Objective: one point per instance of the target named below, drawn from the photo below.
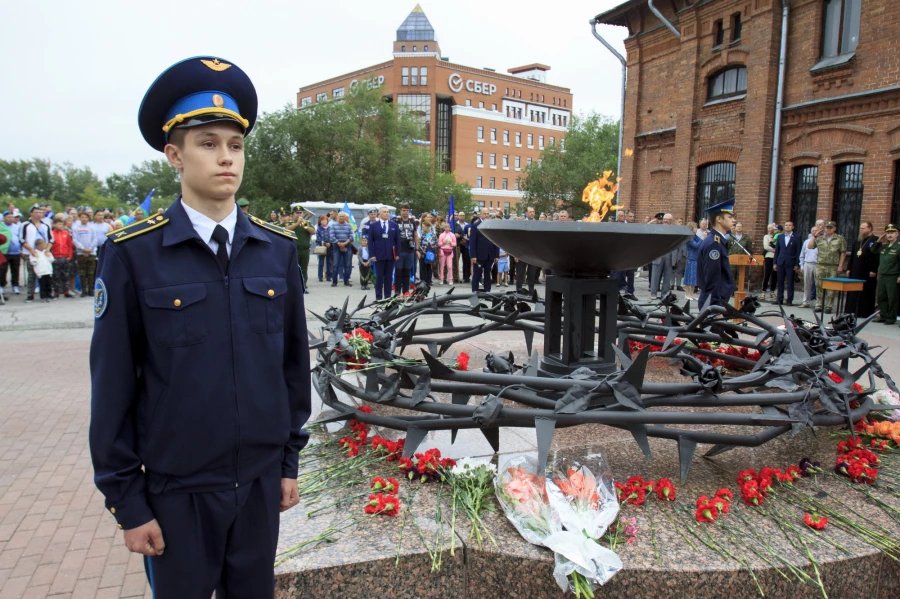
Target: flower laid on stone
(706, 513)
(809, 468)
(380, 503)
(816, 522)
(665, 490)
(392, 450)
(859, 465)
(425, 466)
(389, 486)
(523, 496)
(886, 397)
(472, 484)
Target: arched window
(728, 82)
(715, 183)
(848, 197)
(804, 199)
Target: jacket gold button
(177, 303)
(120, 527)
(271, 292)
(112, 510)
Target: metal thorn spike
(544, 429)
(639, 432)
(686, 449)
(414, 437)
(493, 437)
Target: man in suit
(384, 244)
(483, 253)
(787, 261)
(525, 272)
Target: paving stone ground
(56, 539)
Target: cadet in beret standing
(888, 275)
(199, 360)
(714, 277)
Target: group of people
(395, 252)
(54, 254)
(789, 257)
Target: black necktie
(220, 236)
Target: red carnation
(648, 485)
(721, 504)
(746, 475)
(707, 513)
(817, 522)
(635, 480)
(365, 409)
(723, 492)
(665, 490)
(462, 361)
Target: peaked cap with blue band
(726, 206)
(193, 92)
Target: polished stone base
(364, 563)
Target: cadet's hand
(146, 539)
(290, 496)
(474, 261)
(872, 274)
(775, 267)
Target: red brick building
(700, 110)
(485, 126)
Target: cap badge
(216, 64)
(217, 101)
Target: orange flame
(600, 194)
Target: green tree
(357, 150)
(26, 178)
(557, 181)
(133, 186)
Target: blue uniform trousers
(403, 270)
(482, 269)
(222, 541)
(384, 272)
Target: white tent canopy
(360, 211)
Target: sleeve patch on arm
(714, 254)
(100, 298)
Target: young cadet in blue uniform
(714, 276)
(200, 360)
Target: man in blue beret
(199, 360)
(714, 276)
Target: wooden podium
(742, 262)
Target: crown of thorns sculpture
(790, 383)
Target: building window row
(560, 120)
(414, 76)
(719, 30)
(337, 92)
(538, 116)
(493, 138)
(492, 183)
(321, 97)
(516, 93)
(414, 48)
(492, 158)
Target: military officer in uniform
(863, 264)
(888, 275)
(714, 276)
(244, 205)
(199, 359)
(304, 231)
(832, 253)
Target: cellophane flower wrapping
(521, 492)
(582, 492)
(888, 398)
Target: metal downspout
(621, 58)
(664, 20)
(779, 98)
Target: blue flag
(349, 212)
(145, 205)
(451, 213)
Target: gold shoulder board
(273, 228)
(137, 228)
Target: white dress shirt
(204, 226)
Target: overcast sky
(73, 73)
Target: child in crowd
(365, 264)
(503, 268)
(63, 258)
(43, 269)
(446, 244)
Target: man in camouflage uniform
(888, 251)
(832, 253)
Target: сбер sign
(476, 87)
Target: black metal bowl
(579, 248)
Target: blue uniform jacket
(714, 276)
(480, 247)
(381, 248)
(788, 255)
(200, 378)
